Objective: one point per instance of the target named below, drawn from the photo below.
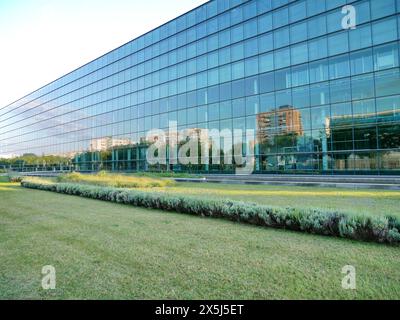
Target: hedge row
(15, 179)
(368, 228)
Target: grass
(110, 251)
(115, 180)
(376, 202)
(4, 179)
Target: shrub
(70, 177)
(114, 180)
(15, 178)
(367, 228)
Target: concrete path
(354, 182)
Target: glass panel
(384, 31)
(298, 32)
(239, 107)
(300, 76)
(360, 37)
(266, 62)
(338, 43)
(265, 43)
(317, 26)
(282, 58)
(365, 137)
(382, 8)
(386, 57)
(389, 160)
(318, 49)
(340, 90)
(362, 86)
(265, 23)
(299, 53)
(297, 11)
(301, 97)
(387, 83)
(389, 136)
(320, 94)
(281, 38)
(281, 17)
(319, 71)
(320, 117)
(361, 62)
(364, 111)
(283, 79)
(367, 161)
(339, 67)
(267, 82)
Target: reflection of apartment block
(189, 133)
(69, 155)
(284, 120)
(176, 135)
(106, 143)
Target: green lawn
(106, 250)
(382, 202)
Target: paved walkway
(355, 182)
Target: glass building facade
(321, 99)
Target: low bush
(15, 178)
(114, 180)
(367, 228)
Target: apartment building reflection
(337, 143)
(282, 121)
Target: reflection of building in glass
(103, 144)
(350, 132)
(322, 100)
(284, 120)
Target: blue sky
(43, 39)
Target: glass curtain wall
(321, 99)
